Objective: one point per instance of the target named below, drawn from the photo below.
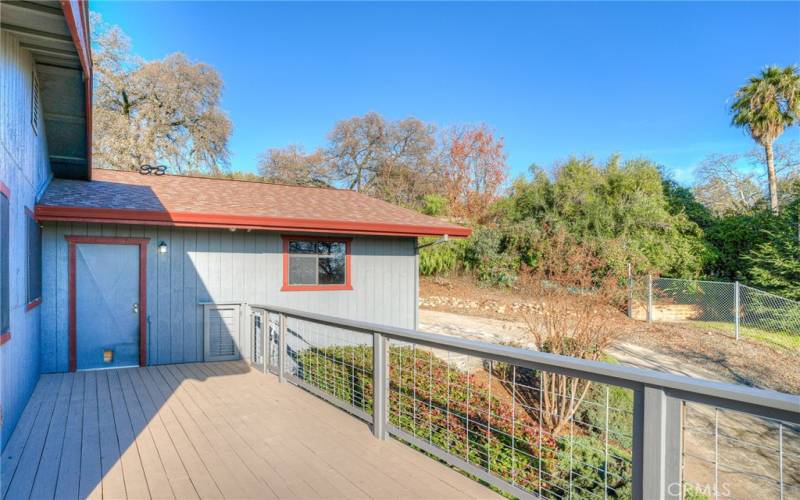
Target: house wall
(25, 170)
(220, 266)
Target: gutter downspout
(443, 239)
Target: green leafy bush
(618, 207)
(485, 256)
(620, 411)
(774, 264)
(591, 475)
(435, 205)
(496, 254)
(692, 493)
(441, 258)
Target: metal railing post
(282, 350)
(265, 340)
(649, 298)
(657, 444)
(380, 384)
(630, 290)
(736, 308)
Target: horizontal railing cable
(761, 402)
(535, 424)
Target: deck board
(201, 479)
(218, 455)
(91, 466)
(206, 430)
(23, 479)
(69, 472)
(175, 472)
(113, 482)
(16, 444)
(47, 470)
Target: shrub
(692, 493)
(435, 205)
(485, 254)
(591, 475)
(576, 322)
(620, 415)
(441, 258)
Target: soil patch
(705, 352)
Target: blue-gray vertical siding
(204, 265)
(25, 170)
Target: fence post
(630, 291)
(657, 443)
(380, 385)
(282, 350)
(736, 305)
(649, 298)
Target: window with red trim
(312, 263)
(34, 260)
(4, 265)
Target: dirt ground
(674, 347)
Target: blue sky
(553, 79)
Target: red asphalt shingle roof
(129, 197)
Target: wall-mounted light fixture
(162, 247)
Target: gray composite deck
(206, 430)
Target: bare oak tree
(724, 187)
(292, 165)
(394, 160)
(734, 183)
(786, 156)
(146, 112)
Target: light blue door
(107, 305)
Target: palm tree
(765, 106)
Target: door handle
(135, 308)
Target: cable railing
(538, 425)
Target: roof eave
(287, 224)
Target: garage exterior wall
(208, 265)
(25, 169)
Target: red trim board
(5, 190)
(80, 38)
(33, 304)
(72, 241)
(190, 219)
(348, 284)
(5, 337)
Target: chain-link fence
(733, 308)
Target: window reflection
(317, 262)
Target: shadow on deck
(206, 430)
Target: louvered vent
(222, 330)
(35, 103)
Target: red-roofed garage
(147, 269)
